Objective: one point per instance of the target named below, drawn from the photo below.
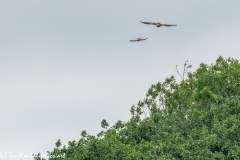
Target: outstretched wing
(152, 23)
(133, 40)
(142, 39)
(169, 25)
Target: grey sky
(66, 65)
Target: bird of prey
(138, 39)
(159, 24)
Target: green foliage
(198, 118)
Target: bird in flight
(159, 24)
(138, 40)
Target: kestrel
(138, 39)
(159, 24)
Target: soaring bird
(138, 39)
(159, 24)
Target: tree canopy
(196, 118)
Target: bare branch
(178, 72)
(185, 69)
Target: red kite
(138, 39)
(159, 24)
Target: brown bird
(138, 39)
(159, 24)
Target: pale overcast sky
(65, 65)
